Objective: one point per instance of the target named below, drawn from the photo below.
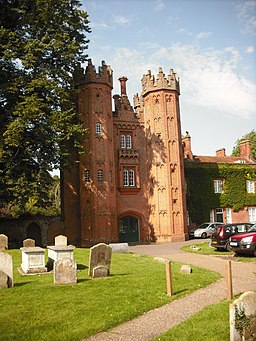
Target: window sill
(129, 190)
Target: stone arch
(34, 232)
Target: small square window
(218, 186)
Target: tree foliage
(251, 136)
(42, 42)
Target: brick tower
(129, 182)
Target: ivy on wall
(201, 198)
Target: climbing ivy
(201, 198)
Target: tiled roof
(222, 159)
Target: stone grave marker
(3, 242)
(186, 269)
(246, 304)
(6, 266)
(61, 240)
(65, 271)
(3, 280)
(29, 242)
(100, 259)
(120, 247)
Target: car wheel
(204, 235)
(227, 247)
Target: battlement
(104, 74)
(151, 83)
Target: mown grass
(206, 249)
(211, 323)
(35, 309)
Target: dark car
(221, 235)
(244, 243)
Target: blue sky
(210, 44)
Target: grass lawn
(211, 323)
(35, 309)
(206, 249)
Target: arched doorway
(128, 229)
(34, 232)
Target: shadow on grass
(81, 267)
(21, 284)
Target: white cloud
(247, 16)
(202, 35)
(249, 49)
(121, 20)
(209, 78)
(100, 25)
(159, 5)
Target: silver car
(206, 229)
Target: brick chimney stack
(123, 81)
(221, 152)
(245, 148)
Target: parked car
(244, 243)
(204, 230)
(221, 235)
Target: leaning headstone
(186, 269)
(65, 271)
(3, 280)
(61, 240)
(120, 247)
(245, 305)
(29, 242)
(6, 266)
(3, 242)
(100, 256)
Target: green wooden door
(128, 229)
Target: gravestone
(3, 280)
(120, 247)
(186, 269)
(33, 260)
(65, 271)
(245, 303)
(29, 242)
(100, 259)
(3, 242)
(6, 266)
(61, 240)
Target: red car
(244, 243)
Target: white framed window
(250, 186)
(98, 128)
(229, 215)
(219, 215)
(129, 177)
(87, 176)
(212, 216)
(128, 141)
(125, 141)
(218, 186)
(252, 215)
(122, 141)
(126, 177)
(100, 175)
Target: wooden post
(229, 281)
(168, 277)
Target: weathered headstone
(3, 242)
(3, 280)
(120, 247)
(186, 269)
(100, 257)
(57, 252)
(6, 266)
(245, 304)
(33, 260)
(65, 271)
(29, 242)
(61, 240)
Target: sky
(210, 44)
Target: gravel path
(157, 321)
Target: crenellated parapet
(151, 83)
(104, 74)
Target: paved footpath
(157, 321)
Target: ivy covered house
(220, 188)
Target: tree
(251, 136)
(42, 42)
